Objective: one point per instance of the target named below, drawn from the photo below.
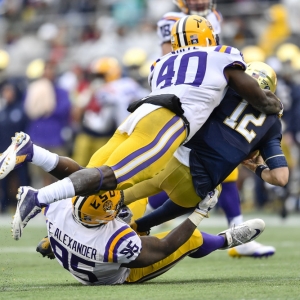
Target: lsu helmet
(264, 74)
(193, 31)
(200, 7)
(108, 67)
(94, 210)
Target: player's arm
(155, 249)
(247, 87)
(271, 165)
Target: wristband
(259, 170)
(196, 218)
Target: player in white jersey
(229, 200)
(204, 8)
(147, 139)
(91, 241)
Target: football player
(187, 85)
(229, 200)
(233, 131)
(203, 8)
(91, 240)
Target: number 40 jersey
(196, 76)
(91, 255)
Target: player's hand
(252, 163)
(207, 203)
(133, 225)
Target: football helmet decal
(198, 7)
(92, 211)
(193, 31)
(264, 74)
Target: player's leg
(138, 275)
(22, 150)
(156, 201)
(139, 157)
(199, 245)
(229, 201)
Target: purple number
(64, 253)
(167, 72)
(201, 68)
(75, 260)
(168, 69)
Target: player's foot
(45, 249)
(243, 233)
(19, 151)
(27, 208)
(252, 249)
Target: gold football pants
(143, 153)
(138, 275)
(175, 179)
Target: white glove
(207, 203)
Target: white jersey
(91, 255)
(196, 76)
(164, 25)
(121, 93)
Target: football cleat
(252, 249)
(19, 151)
(243, 233)
(27, 208)
(45, 249)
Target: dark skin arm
(85, 180)
(247, 87)
(155, 249)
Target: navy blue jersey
(230, 134)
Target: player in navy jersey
(233, 130)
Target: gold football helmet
(264, 74)
(108, 67)
(95, 210)
(193, 31)
(200, 8)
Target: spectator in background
(48, 108)
(12, 119)
(103, 106)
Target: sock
(168, 211)
(236, 220)
(158, 200)
(229, 201)
(59, 190)
(210, 244)
(44, 158)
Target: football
(253, 154)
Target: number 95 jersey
(91, 255)
(196, 76)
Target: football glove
(207, 203)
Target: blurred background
(69, 69)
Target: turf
(26, 275)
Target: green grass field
(26, 275)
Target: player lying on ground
(147, 139)
(98, 248)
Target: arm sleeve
(271, 150)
